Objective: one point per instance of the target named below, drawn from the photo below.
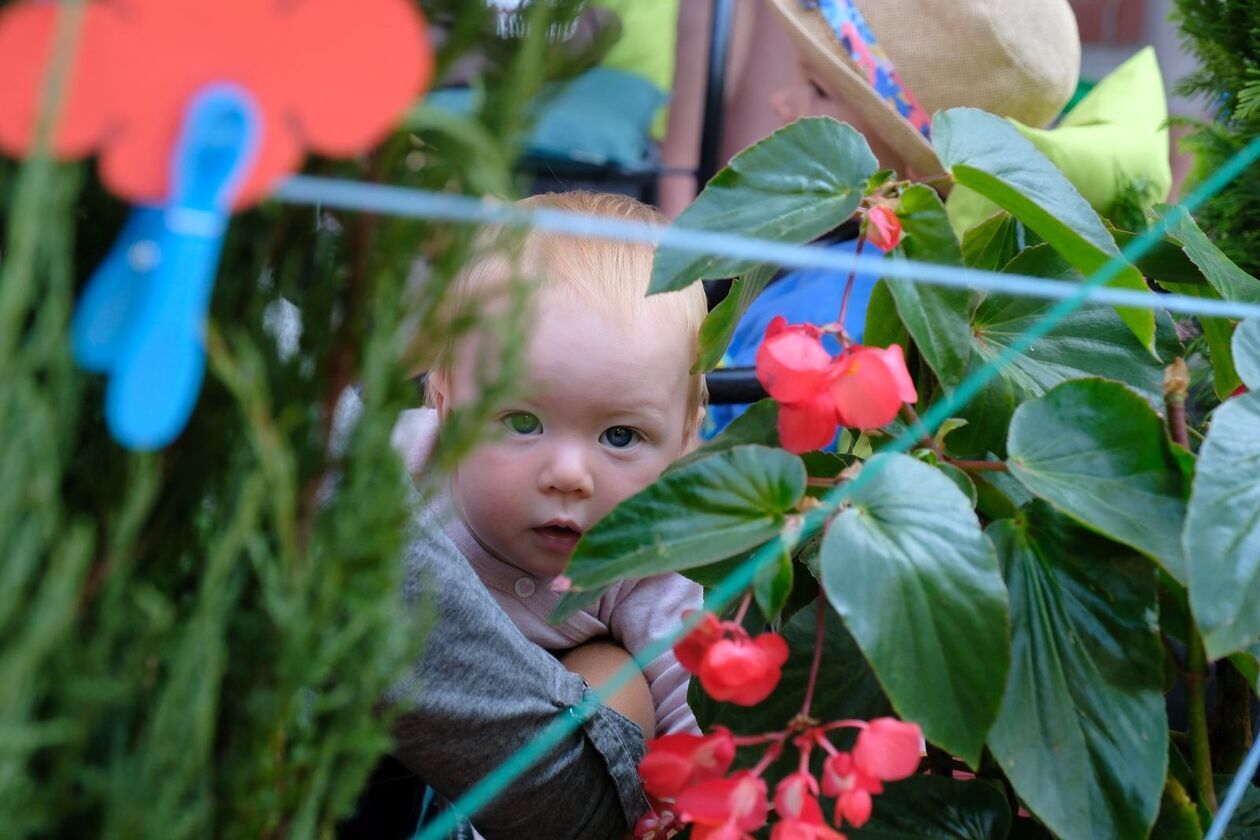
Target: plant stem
(848, 289)
(743, 608)
(1176, 387)
(1200, 748)
(912, 420)
(818, 648)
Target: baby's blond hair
(611, 275)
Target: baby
(607, 403)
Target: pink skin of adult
(602, 414)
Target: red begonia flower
(852, 788)
(792, 364)
(871, 385)
(726, 831)
(883, 228)
(804, 427)
(741, 671)
(796, 797)
(889, 749)
(675, 762)
(328, 76)
(690, 649)
(737, 803)
(802, 830)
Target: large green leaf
(1245, 824)
(1097, 451)
(1089, 341)
(1222, 536)
(1247, 352)
(987, 154)
(883, 326)
(707, 511)
(918, 586)
(1082, 733)
(993, 243)
(1220, 271)
(938, 318)
(934, 808)
(719, 325)
(793, 186)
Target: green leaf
(846, 688)
(1165, 262)
(917, 584)
(1245, 824)
(1178, 817)
(719, 325)
(1098, 452)
(758, 425)
(993, 243)
(987, 154)
(704, 512)
(883, 325)
(1246, 346)
(934, 808)
(961, 480)
(772, 586)
(938, 318)
(793, 186)
(1220, 271)
(1089, 341)
(1082, 733)
(1222, 536)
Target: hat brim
(824, 54)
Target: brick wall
(1110, 22)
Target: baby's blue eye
(522, 423)
(619, 437)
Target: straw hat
(1014, 58)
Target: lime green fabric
(1114, 140)
(649, 34)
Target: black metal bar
(715, 91)
(734, 386)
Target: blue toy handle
(142, 317)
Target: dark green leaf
(1098, 452)
(846, 687)
(704, 512)
(961, 480)
(1222, 536)
(719, 326)
(793, 186)
(1246, 346)
(917, 584)
(993, 243)
(773, 585)
(1245, 824)
(758, 425)
(883, 325)
(987, 154)
(1227, 278)
(933, 808)
(1165, 262)
(1090, 341)
(1178, 818)
(938, 318)
(1082, 733)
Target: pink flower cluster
(862, 388)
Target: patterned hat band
(872, 62)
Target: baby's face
(602, 416)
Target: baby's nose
(566, 471)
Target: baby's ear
(693, 434)
(437, 391)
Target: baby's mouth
(558, 537)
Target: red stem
(776, 749)
(848, 290)
(743, 609)
(818, 648)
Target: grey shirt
(482, 690)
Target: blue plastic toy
(141, 319)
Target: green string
(741, 578)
